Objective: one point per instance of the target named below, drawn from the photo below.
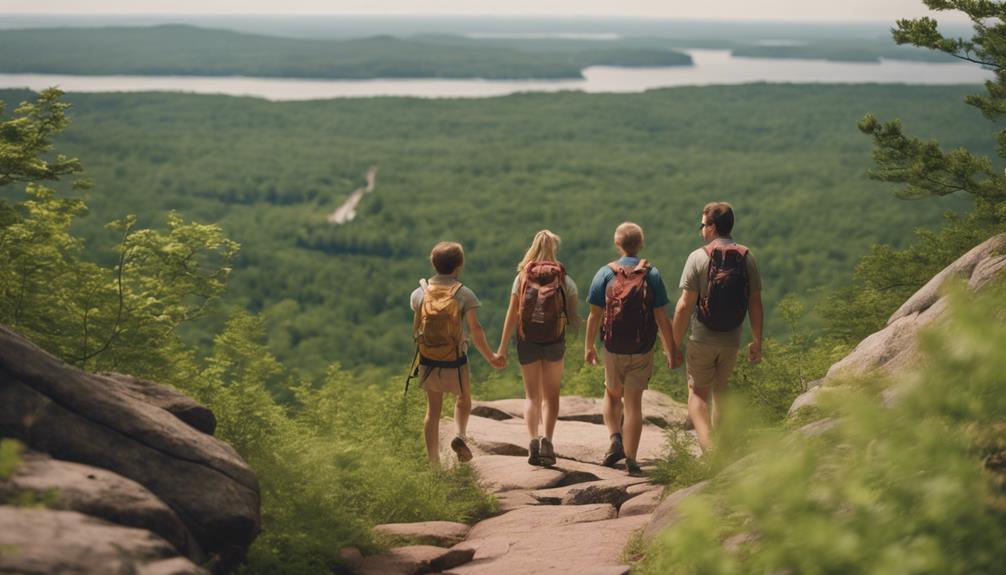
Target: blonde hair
(543, 248)
(629, 237)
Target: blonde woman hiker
(542, 304)
(444, 311)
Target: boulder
(43, 541)
(666, 513)
(167, 398)
(439, 533)
(101, 494)
(414, 560)
(641, 504)
(80, 417)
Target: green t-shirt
(695, 278)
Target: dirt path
(347, 211)
(575, 517)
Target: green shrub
(10, 457)
(900, 489)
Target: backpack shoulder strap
(615, 267)
(642, 265)
(743, 250)
(456, 288)
(425, 284)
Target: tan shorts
(445, 379)
(709, 365)
(627, 371)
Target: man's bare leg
(698, 411)
(431, 425)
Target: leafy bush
(911, 488)
(10, 456)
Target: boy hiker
(630, 297)
(444, 308)
(722, 284)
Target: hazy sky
(722, 9)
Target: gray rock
(439, 533)
(101, 494)
(167, 398)
(642, 504)
(963, 267)
(666, 513)
(611, 491)
(501, 473)
(44, 541)
(76, 416)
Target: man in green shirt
(715, 342)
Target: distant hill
(188, 50)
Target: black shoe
(461, 448)
(615, 452)
(633, 468)
(533, 454)
(547, 452)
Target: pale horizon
(851, 11)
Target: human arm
(589, 339)
(509, 324)
(756, 314)
(679, 325)
(666, 335)
(480, 342)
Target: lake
(711, 67)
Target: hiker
(444, 311)
(629, 296)
(542, 303)
(721, 283)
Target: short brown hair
(721, 214)
(447, 256)
(629, 237)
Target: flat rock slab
(658, 408)
(414, 560)
(577, 440)
(642, 504)
(511, 500)
(101, 494)
(531, 548)
(503, 473)
(540, 517)
(611, 491)
(37, 541)
(439, 533)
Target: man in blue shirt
(632, 314)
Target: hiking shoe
(547, 452)
(633, 468)
(533, 452)
(461, 448)
(615, 452)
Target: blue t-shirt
(604, 275)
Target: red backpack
(726, 301)
(629, 324)
(542, 316)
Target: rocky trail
(347, 211)
(575, 517)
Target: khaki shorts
(709, 365)
(627, 371)
(445, 379)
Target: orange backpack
(438, 330)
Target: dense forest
(187, 50)
(489, 173)
(174, 49)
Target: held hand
(669, 356)
(754, 352)
(679, 358)
(590, 356)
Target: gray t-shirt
(568, 286)
(695, 278)
(465, 297)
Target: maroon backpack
(726, 301)
(629, 324)
(542, 303)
